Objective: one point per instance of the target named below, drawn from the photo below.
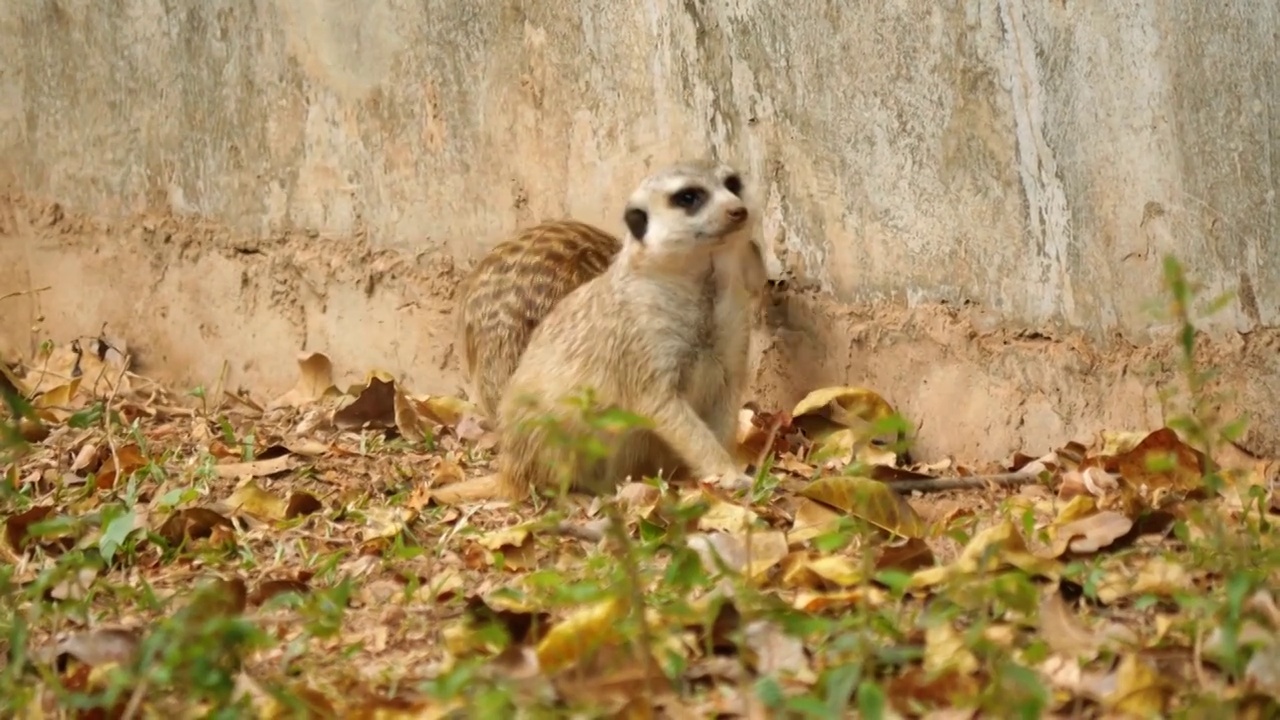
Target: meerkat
(663, 333)
(513, 287)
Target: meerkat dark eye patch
(691, 199)
(637, 222)
(733, 184)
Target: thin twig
(631, 568)
(969, 482)
(106, 416)
(1197, 658)
(135, 700)
(744, 689)
(222, 386)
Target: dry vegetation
(204, 553)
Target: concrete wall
(265, 176)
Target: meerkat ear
(637, 222)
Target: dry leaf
(16, 526)
(570, 640)
(302, 503)
(1162, 460)
(374, 407)
(909, 555)
(257, 468)
(1068, 636)
(638, 500)
(268, 589)
(811, 520)
(870, 500)
(945, 650)
(445, 410)
(998, 546)
(850, 407)
(315, 382)
(1091, 533)
(252, 499)
(129, 460)
(1135, 689)
(838, 569)
(194, 523)
(774, 653)
(726, 516)
(765, 550)
(1154, 575)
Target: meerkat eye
(689, 198)
(733, 184)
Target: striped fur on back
(512, 288)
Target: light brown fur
(513, 287)
(663, 333)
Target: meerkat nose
(738, 214)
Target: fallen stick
(970, 482)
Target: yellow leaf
(864, 596)
(811, 520)
(514, 536)
(945, 649)
(385, 522)
(852, 407)
(1091, 533)
(511, 603)
(727, 516)
(795, 572)
(766, 549)
(998, 546)
(409, 422)
(253, 500)
(1078, 507)
(315, 381)
(569, 641)
(870, 500)
(446, 410)
(838, 569)
(58, 398)
(381, 376)
(1155, 576)
(833, 448)
(1117, 442)
(1139, 690)
(257, 468)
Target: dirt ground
(315, 515)
(199, 304)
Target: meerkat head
(686, 206)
